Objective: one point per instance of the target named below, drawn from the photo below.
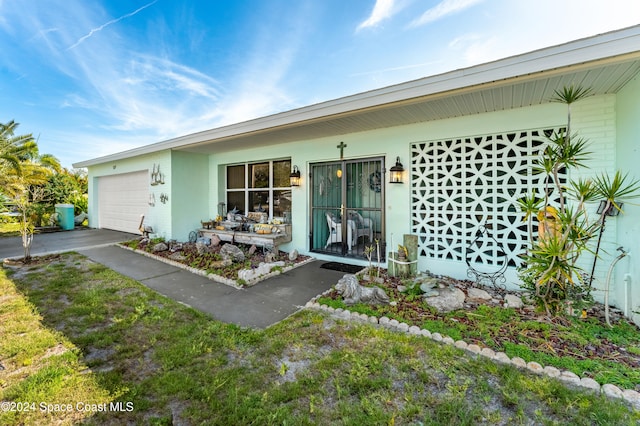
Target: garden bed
(585, 346)
(210, 263)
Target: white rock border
(214, 277)
(569, 378)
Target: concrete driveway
(58, 242)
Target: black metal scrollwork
(496, 278)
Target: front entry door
(347, 202)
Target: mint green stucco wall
(594, 118)
(159, 215)
(626, 287)
(186, 177)
(190, 196)
(387, 143)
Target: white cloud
(113, 21)
(383, 9)
(442, 9)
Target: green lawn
(81, 343)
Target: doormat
(342, 267)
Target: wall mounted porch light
(294, 177)
(612, 210)
(396, 172)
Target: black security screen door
(346, 207)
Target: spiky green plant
(550, 268)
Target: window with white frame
(259, 187)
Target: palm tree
(18, 153)
(15, 149)
(23, 172)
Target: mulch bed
(209, 261)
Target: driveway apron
(63, 241)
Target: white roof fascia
(596, 48)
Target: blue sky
(90, 78)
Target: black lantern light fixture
(294, 177)
(611, 210)
(396, 172)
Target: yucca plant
(550, 269)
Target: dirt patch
(59, 349)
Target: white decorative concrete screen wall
(460, 184)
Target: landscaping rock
(460, 344)
(252, 249)
(178, 257)
(160, 247)
(518, 362)
(447, 300)
(612, 391)
(475, 349)
(230, 251)
(414, 329)
(201, 247)
(293, 255)
(215, 241)
(513, 301)
(478, 294)
(219, 264)
(488, 352)
(403, 326)
(589, 383)
(448, 340)
(502, 358)
(632, 397)
(262, 269)
(535, 367)
(570, 377)
(551, 371)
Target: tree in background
(23, 174)
(68, 187)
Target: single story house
(464, 141)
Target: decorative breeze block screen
(457, 185)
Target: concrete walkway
(259, 306)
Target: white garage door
(122, 199)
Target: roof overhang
(603, 63)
